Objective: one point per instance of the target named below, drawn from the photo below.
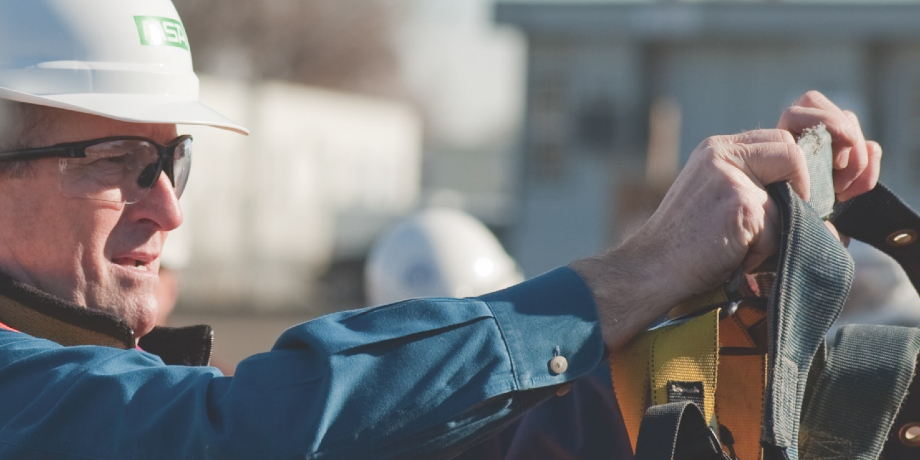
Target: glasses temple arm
(45, 152)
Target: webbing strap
(859, 392)
(813, 278)
(909, 415)
(683, 363)
(813, 269)
(667, 365)
(816, 144)
(677, 431)
(879, 218)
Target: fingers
(761, 135)
(773, 162)
(856, 161)
(867, 178)
(768, 156)
(766, 242)
(814, 108)
(797, 118)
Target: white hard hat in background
(881, 292)
(126, 60)
(437, 253)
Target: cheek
(54, 242)
(61, 233)
(92, 230)
(32, 217)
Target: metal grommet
(910, 434)
(902, 238)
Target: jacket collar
(37, 313)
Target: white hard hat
(126, 60)
(438, 252)
(881, 292)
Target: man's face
(94, 253)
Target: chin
(132, 300)
(139, 312)
(144, 322)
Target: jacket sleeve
(583, 423)
(423, 378)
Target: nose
(160, 206)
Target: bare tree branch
(342, 44)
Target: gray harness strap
(857, 396)
(854, 396)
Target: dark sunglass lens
(149, 175)
(181, 165)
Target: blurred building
(535, 119)
(466, 75)
(595, 69)
(321, 174)
(422, 105)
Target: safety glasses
(116, 169)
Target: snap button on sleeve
(558, 365)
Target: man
(93, 167)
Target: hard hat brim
(132, 108)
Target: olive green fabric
(813, 279)
(858, 394)
(816, 144)
(834, 407)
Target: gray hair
(18, 127)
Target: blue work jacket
(583, 423)
(427, 378)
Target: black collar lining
(67, 312)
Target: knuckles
(787, 137)
(711, 143)
(812, 98)
(718, 147)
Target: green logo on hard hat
(157, 31)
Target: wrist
(630, 288)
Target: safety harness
(744, 373)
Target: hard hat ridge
(129, 61)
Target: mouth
(136, 263)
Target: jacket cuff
(550, 326)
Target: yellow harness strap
(669, 364)
(718, 364)
(684, 357)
